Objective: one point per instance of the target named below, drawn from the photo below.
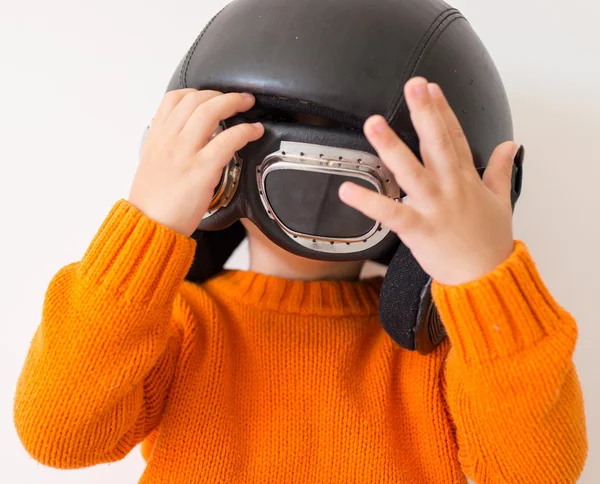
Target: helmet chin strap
(213, 249)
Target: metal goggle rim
(336, 161)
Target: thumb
(498, 174)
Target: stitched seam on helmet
(411, 64)
(188, 57)
(444, 20)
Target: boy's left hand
(458, 226)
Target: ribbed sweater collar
(324, 298)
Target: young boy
(283, 373)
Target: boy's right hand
(180, 165)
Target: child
(283, 373)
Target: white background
(80, 80)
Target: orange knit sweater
(250, 378)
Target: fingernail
(435, 90)
(257, 125)
(347, 189)
(420, 88)
(248, 95)
(378, 124)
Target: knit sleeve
(509, 380)
(95, 379)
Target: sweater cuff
(503, 313)
(136, 258)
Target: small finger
(409, 172)
(222, 148)
(498, 174)
(168, 103)
(187, 106)
(461, 144)
(204, 121)
(437, 146)
(395, 215)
